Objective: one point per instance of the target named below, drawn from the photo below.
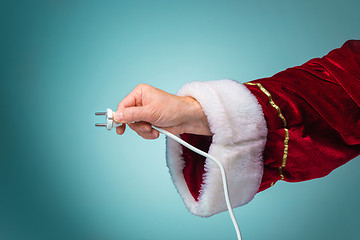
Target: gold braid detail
(286, 140)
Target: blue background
(62, 178)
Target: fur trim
(237, 121)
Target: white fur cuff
(237, 121)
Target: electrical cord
(222, 170)
(110, 123)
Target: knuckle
(142, 85)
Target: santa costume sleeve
(297, 125)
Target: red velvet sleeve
(313, 116)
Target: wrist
(197, 122)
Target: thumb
(132, 114)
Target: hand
(146, 106)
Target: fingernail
(118, 116)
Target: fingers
(133, 114)
(121, 129)
(134, 108)
(144, 130)
(136, 111)
(133, 99)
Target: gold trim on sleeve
(286, 140)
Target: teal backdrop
(62, 178)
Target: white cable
(110, 123)
(226, 191)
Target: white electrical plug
(110, 122)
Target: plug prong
(100, 113)
(100, 124)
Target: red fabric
(320, 101)
(194, 163)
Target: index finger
(133, 99)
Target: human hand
(146, 106)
